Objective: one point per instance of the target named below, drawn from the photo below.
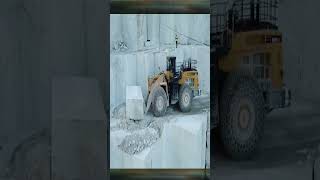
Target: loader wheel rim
(160, 103)
(186, 98)
(244, 117)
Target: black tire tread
(159, 91)
(183, 88)
(239, 85)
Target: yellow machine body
(250, 44)
(164, 78)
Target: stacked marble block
(134, 103)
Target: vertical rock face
(122, 73)
(134, 103)
(135, 29)
(115, 29)
(185, 142)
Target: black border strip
(160, 7)
(160, 174)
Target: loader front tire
(159, 103)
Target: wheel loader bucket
(160, 81)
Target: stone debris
(119, 112)
(143, 143)
(137, 142)
(144, 132)
(120, 46)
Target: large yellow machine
(175, 85)
(248, 72)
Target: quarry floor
(134, 139)
(289, 146)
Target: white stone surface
(150, 157)
(202, 55)
(160, 62)
(134, 103)
(122, 74)
(130, 37)
(116, 155)
(115, 29)
(185, 142)
(181, 145)
(145, 68)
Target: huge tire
(159, 103)
(185, 98)
(242, 115)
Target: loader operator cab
(171, 65)
(252, 15)
(173, 83)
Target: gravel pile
(119, 112)
(138, 141)
(143, 133)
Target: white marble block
(134, 103)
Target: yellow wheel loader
(175, 85)
(247, 68)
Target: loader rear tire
(242, 115)
(185, 98)
(159, 103)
